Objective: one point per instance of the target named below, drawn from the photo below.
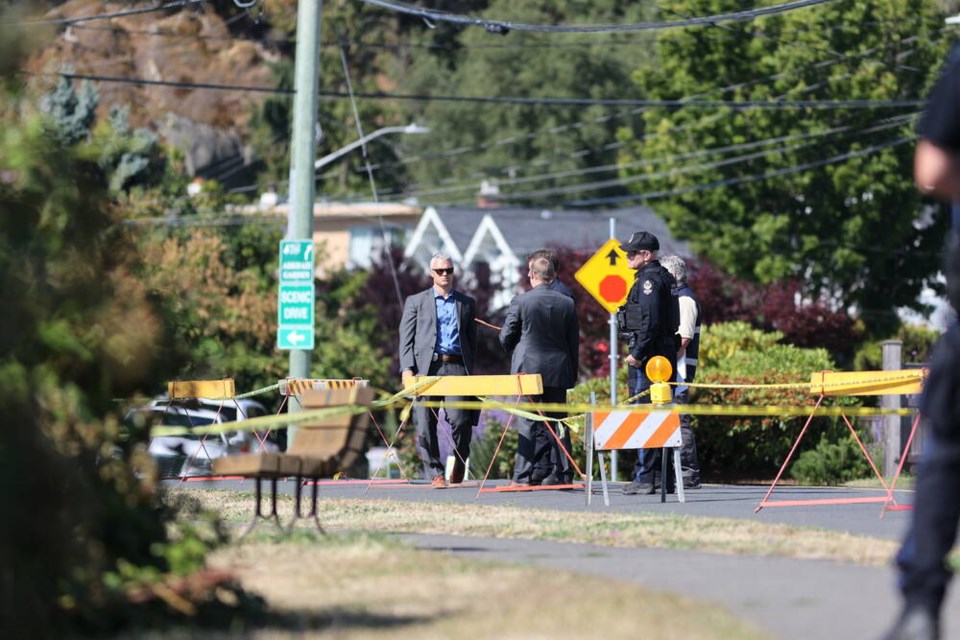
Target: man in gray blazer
(438, 337)
(542, 333)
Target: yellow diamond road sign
(606, 275)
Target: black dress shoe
(550, 481)
(915, 623)
(537, 477)
(638, 488)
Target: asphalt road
(788, 598)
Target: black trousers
(924, 574)
(461, 423)
(537, 451)
(689, 460)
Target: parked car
(192, 455)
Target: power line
(643, 177)
(107, 16)
(598, 120)
(629, 102)
(365, 44)
(504, 26)
(648, 162)
(561, 102)
(528, 195)
(169, 83)
(385, 237)
(656, 195)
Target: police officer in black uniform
(649, 322)
(924, 572)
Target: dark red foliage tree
(774, 307)
(808, 324)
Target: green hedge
(740, 448)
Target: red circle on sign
(613, 288)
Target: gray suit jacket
(543, 333)
(418, 331)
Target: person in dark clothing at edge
(649, 322)
(924, 573)
(558, 459)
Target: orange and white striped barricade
(181, 392)
(854, 383)
(640, 427)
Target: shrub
(742, 447)
(831, 463)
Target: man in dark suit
(438, 337)
(542, 333)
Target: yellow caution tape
(689, 409)
(918, 375)
(531, 410)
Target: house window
(367, 244)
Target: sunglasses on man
(441, 272)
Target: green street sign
(296, 295)
(295, 338)
(296, 261)
(295, 316)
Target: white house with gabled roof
(501, 237)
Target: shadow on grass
(254, 623)
(337, 618)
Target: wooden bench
(323, 447)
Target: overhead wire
(713, 103)
(643, 177)
(552, 130)
(505, 26)
(385, 237)
(175, 4)
(656, 195)
(544, 161)
(563, 102)
(646, 162)
(599, 120)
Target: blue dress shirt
(448, 330)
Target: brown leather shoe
(438, 482)
(456, 474)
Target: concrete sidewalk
(788, 599)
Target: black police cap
(641, 241)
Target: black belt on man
(448, 357)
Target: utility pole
(893, 442)
(303, 152)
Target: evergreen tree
(72, 112)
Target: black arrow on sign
(613, 257)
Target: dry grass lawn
(617, 530)
(359, 583)
(361, 586)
